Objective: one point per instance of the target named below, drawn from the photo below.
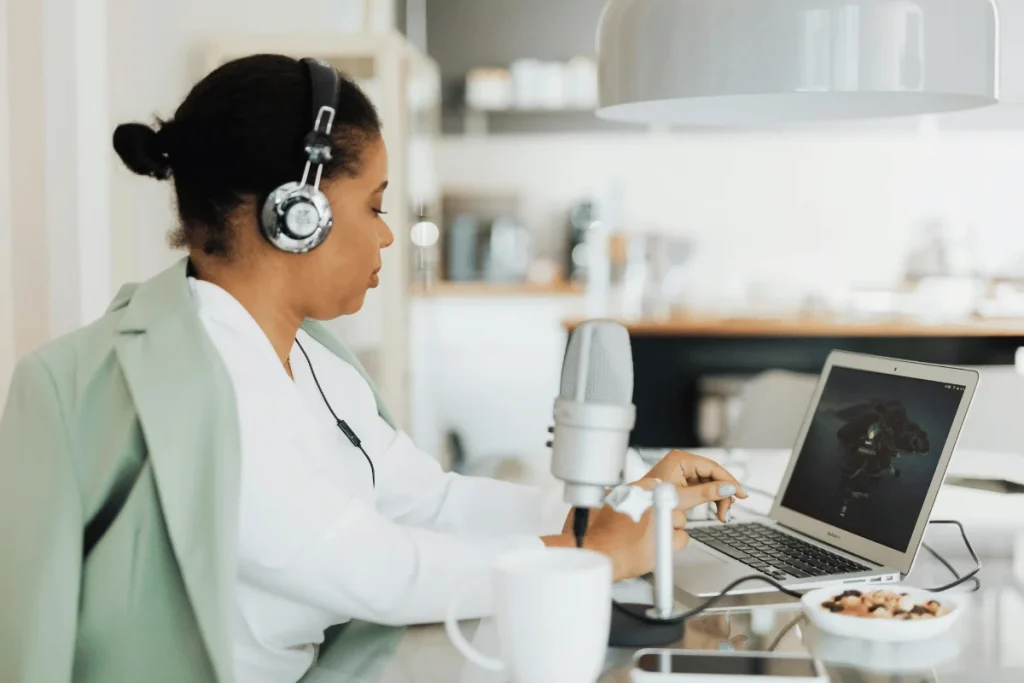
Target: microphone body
(589, 451)
(594, 413)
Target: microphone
(594, 415)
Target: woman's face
(337, 274)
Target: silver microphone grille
(598, 364)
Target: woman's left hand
(687, 469)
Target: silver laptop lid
(872, 453)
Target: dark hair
(239, 134)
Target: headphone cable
(342, 425)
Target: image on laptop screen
(871, 451)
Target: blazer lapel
(186, 408)
(317, 331)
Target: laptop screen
(871, 452)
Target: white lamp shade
(755, 62)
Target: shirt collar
(216, 303)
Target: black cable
(959, 579)
(342, 425)
(972, 576)
(945, 563)
(974, 556)
(785, 631)
(640, 616)
(580, 520)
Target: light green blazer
(123, 436)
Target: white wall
(7, 350)
(810, 209)
(488, 368)
(29, 242)
(77, 161)
(56, 244)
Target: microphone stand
(637, 625)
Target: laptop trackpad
(698, 572)
(693, 557)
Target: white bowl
(879, 657)
(890, 630)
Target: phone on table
(655, 664)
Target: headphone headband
(324, 86)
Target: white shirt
(318, 543)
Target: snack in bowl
(894, 613)
(884, 604)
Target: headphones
(296, 217)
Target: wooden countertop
(697, 326)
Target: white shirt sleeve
(312, 530)
(413, 489)
(304, 538)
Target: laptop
(859, 487)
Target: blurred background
(737, 258)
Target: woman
(198, 484)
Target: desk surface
(709, 326)
(984, 646)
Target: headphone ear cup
(296, 218)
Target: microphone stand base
(630, 631)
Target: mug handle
(451, 626)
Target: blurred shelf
(495, 289)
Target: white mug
(552, 607)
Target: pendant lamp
(756, 62)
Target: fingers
(696, 468)
(723, 509)
(680, 539)
(718, 492)
(706, 469)
(710, 492)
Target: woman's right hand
(629, 544)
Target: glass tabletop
(985, 646)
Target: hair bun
(139, 147)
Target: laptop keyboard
(773, 553)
